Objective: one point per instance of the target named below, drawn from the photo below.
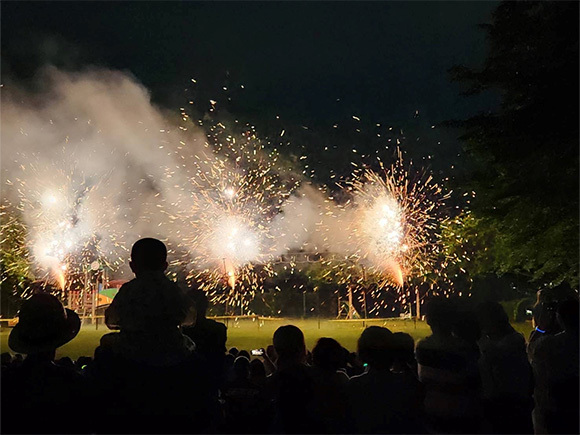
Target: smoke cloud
(97, 148)
(90, 150)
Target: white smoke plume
(95, 139)
(90, 147)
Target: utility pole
(349, 316)
(418, 303)
(304, 304)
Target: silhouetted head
(561, 292)
(466, 326)
(493, 319)
(229, 361)
(148, 255)
(328, 354)
(66, 361)
(43, 326)
(242, 367)
(289, 344)
(257, 369)
(375, 347)
(200, 301)
(440, 313)
(403, 348)
(568, 315)
(233, 351)
(546, 306)
(244, 353)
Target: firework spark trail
(394, 223)
(235, 193)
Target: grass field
(250, 334)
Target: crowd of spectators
(167, 370)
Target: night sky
(312, 63)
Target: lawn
(250, 334)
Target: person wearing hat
(35, 394)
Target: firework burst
(394, 224)
(236, 191)
(64, 212)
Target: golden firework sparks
(236, 190)
(394, 219)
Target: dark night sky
(385, 59)
(381, 60)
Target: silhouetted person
(404, 354)
(404, 369)
(378, 401)
(544, 317)
(328, 356)
(148, 310)
(245, 403)
(148, 376)
(354, 366)
(36, 393)
(449, 373)
(330, 395)
(555, 367)
(506, 374)
(258, 373)
(291, 386)
(208, 335)
(66, 362)
(466, 327)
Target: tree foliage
(525, 213)
(15, 266)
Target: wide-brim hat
(44, 325)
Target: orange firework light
(395, 223)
